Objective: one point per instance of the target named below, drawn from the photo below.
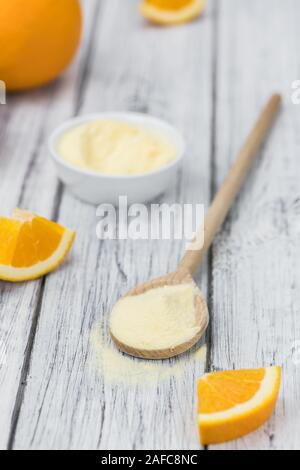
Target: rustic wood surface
(209, 78)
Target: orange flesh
(8, 239)
(24, 243)
(169, 4)
(223, 390)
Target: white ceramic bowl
(96, 188)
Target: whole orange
(38, 39)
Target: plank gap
(34, 156)
(213, 185)
(87, 61)
(25, 369)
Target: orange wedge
(31, 246)
(170, 12)
(234, 403)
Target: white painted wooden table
(210, 79)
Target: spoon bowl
(201, 316)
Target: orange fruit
(170, 12)
(234, 403)
(38, 39)
(31, 246)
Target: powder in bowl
(115, 148)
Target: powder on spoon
(160, 318)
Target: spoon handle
(232, 184)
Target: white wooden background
(209, 78)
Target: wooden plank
(28, 180)
(71, 400)
(256, 257)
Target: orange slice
(31, 246)
(235, 403)
(170, 12)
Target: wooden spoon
(214, 219)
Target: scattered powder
(116, 367)
(160, 318)
(200, 354)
